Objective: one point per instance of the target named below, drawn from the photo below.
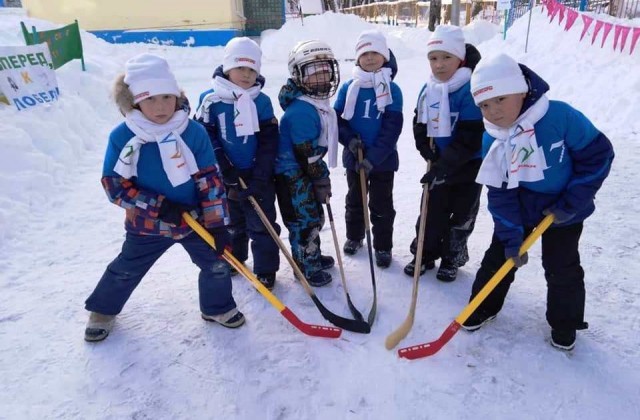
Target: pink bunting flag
(616, 36)
(634, 39)
(562, 10)
(572, 15)
(607, 29)
(587, 22)
(623, 40)
(551, 5)
(554, 12)
(597, 28)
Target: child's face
(245, 77)
(159, 108)
(502, 111)
(443, 65)
(319, 81)
(371, 61)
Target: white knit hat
(447, 38)
(241, 52)
(497, 76)
(149, 75)
(372, 41)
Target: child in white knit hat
(158, 165)
(541, 157)
(370, 110)
(448, 130)
(244, 132)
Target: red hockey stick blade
(311, 329)
(429, 349)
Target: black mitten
(355, 144)
(222, 238)
(322, 189)
(171, 212)
(518, 260)
(254, 189)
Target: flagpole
(526, 43)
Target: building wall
(94, 15)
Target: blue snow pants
(303, 217)
(246, 224)
(140, 252)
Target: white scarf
(433, 103)
(329, 120)
(244, 109)
(379, 79)
(177, 159)
(515, 156)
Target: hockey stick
(356, 314)
(309, 329)
(429, 349)
(401, 332)
(354, 325)
(363, 187)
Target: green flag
(64, 43)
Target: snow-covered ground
(58, 232)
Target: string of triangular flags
(620, 32)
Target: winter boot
(477, 320)
(326, 262)
(563, 339)
(410, 268)
(268, 280)
(230, 319)
(351, 247)
(99, 326)
(383, 258)
(447, 271)
(319, 278)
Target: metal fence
(263, 14)
(416, 13)
(625, 9)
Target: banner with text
(27, 78)
(64, 43)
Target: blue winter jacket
(578, 157)
(143, 195)
(300, 129)
(379, 131)
(458, 157)
(251, 157)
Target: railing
(416, 13)
(619, 8)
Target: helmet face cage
(318, 78)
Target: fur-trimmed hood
(123, 97)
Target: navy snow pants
(246, 224)
(382, 213)
(562, 270)
(140, 252)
